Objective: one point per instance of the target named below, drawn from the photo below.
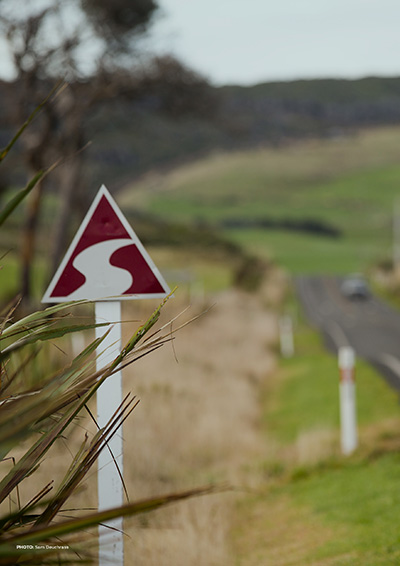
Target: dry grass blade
(9, 312)
(41, 335)
(84, 460)
(19, 197)
(38, 317)
(153, 340)
(7, 379)
(140, 333)
(42, 534)
(24, 515)
(58, 88)
(32, 410)
(21, 415)
(54, 406)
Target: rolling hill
(129, 139)
(279, 202)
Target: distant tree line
(166, 114)
(274, 112)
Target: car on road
(355, 287)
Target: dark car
(355, 287)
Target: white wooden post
(109, 398)
(348, 419)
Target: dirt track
(198, 422)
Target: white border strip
(103, 191)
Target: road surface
(369, 326)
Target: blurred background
(249, 145)
(273, 128)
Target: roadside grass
(336, 510)
(359, 503)
(308, 396)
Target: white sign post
(109, 397)
(106, 263)
(348, 419)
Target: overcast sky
(250, 41)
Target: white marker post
(106, 262)
(396, 235)
(109, 397)
(348, 419)
(286, 336)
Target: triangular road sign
(106, 260)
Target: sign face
(106, 260)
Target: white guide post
(109, 398)
(286, 336)
(396, 235)
(348, 419)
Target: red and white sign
(106, 260)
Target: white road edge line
(337, 334)
(391, 362)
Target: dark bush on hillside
(309, 225)
(159, 232)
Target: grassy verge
(316, 506)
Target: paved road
(369, 326)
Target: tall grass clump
(39, 404)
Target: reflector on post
(348, 419)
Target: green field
(336, 510)
(357, 495)
(315, 506)
(349, 183)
